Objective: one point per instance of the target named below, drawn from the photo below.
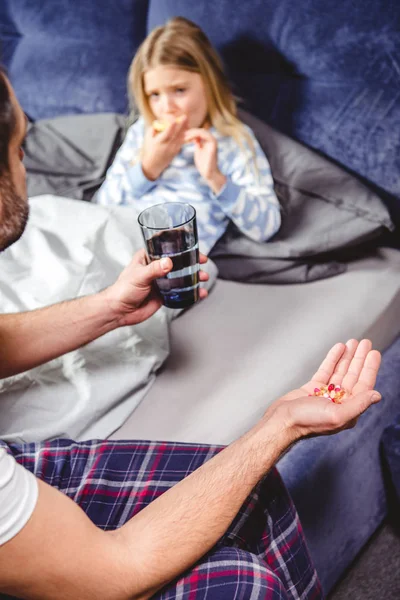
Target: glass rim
(165, 204)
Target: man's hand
(87, 559)
(354, 366)
(32, 338)
(133, 296)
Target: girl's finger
(182, 122)
(172, 131)
(198, 133)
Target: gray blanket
(326, 212)
(69, 156)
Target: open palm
(354, 366)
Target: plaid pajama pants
(263, 554)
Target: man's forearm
(75, 559)
(32, 338)
(177, 529)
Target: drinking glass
(170, 229)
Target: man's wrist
(270, 438)
(110, 308)
(280, 417)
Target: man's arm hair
(31, 338)
(61, 554)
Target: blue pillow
(67, 57)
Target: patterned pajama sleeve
(248, 197)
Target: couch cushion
(326, 74)
(66, 57)
(391, 451)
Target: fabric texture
(247, 199)
(18, 496)
(391, 450)
(263, 554)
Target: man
(225, 526)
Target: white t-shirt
(18, 496)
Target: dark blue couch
(324, 72)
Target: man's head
(14, 207)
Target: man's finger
(358, 405)
(367, 377)
(140, 258)
(343, 364)
(203, 258)
(356, 365)
(328, 365)
(157, 268)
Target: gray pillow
(69, 156)
(325, 211)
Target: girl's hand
(160, 148)
(205, 157)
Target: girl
(188, 144)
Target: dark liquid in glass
(181, 288)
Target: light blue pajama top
(248, 197)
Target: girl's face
(172, 92)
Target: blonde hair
(182, 44)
